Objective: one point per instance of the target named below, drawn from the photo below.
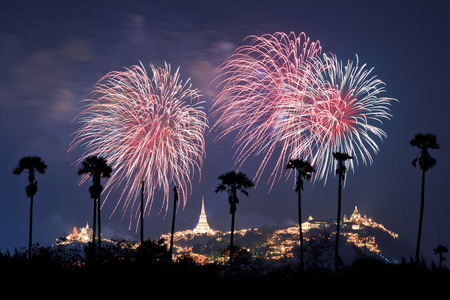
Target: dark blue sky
(53, 52)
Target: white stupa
(202, 225)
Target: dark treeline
(127, 265)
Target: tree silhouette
(175, 202)
(32, 164)
(426, 162)
(304, 170)
(341, 158)
(98, 168)
(440, 250)
(233, 182)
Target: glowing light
(149, 128)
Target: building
(202, 225)
(84, 235)
(355, 217)
(356, 220)
(315, 223)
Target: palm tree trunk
(231, 240)
(99, 230)
(31, 228)
(422, 201)
(336, 251)
(142, 213)
(175, 200)
(300, 226)
(94, 226)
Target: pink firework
(279, 93)
(150, 129)
(258, 83)
(346, 110)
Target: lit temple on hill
(202, 225)
(356, 219)
(356, 216)
(84, 236)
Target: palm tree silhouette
(175, 202)
(98, 168)
(426, 162)
(304, 170)
(32, 164)
(440, 250)
(341, 158)
(233, 182)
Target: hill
(275, 244)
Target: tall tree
(31, 164)
(304, 170)
(341, 169)
(98, 168)
(175, 202)
(233, 182)
(426, 162)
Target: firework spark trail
(277, 92)
(255, 97)
(149, 129)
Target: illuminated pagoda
(202, 225)
(355, 217)
(84, 235)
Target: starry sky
(53, 52)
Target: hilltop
(362, 237)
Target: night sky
(53, 52)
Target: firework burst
(258, 80)
(345, 110)
(150, 130)
(278, 93)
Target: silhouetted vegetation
(424, 142)
(98, 168)
(31, 164)
(126, 265)
(304, 170)
(341, 169)
(233, 182)
(441, 250)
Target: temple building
(355, 217)
(84, 235)
(315, 223)
(202, 225)
(356, 220)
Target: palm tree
(233, 182)
(426, 162)
(340, 157)
(32, 164)
(441, 249)
(304, 170)
(98, 168)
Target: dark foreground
(156, 276)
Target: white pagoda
(202, 225)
